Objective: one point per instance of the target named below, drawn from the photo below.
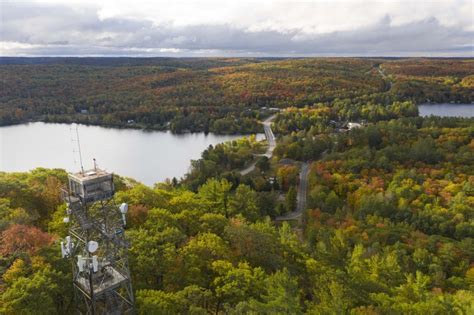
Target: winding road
(304, 171)
(267, 127)
(300, 197)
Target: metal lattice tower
(96, 245)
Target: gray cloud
(56, 30)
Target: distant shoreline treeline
(219, 95)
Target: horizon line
(242, 57)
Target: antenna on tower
(96, 245)
(79, 148)
(73, 147)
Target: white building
(353, 125)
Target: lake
(147, 156)
(447, 110)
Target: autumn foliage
(23, 238)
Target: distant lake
(147, 156)
(447, 110)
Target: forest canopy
(221, 95)
(388, 223)
(388, 229)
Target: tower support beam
(97, 245)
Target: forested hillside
(432, 80)
(389, 229)
(216, 95)
(388, 226)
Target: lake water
(447, 110)
(147, 156)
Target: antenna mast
(79, 148)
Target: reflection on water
(148, 156)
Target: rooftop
(90, 174)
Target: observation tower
(96, 244)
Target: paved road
(300, 197)
(267, 127)
(303, 184)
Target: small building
(84, 111)
(353, 125)
(91, 185)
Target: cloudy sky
(237, 28)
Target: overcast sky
(237, 28)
